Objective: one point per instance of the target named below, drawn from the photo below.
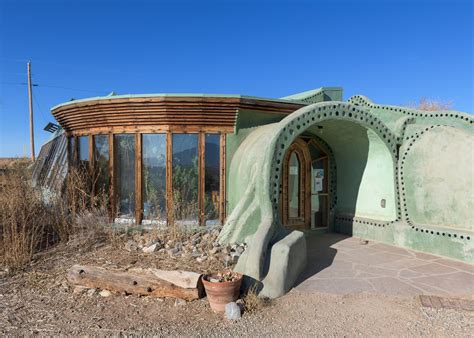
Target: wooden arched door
(296, 190)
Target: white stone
(105, 293)
(232, 311)
(152, 248)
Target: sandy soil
(39, 301)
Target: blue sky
(394, 52)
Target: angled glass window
(154, 177)
(185, 175)
(212, 178)
(101, 163)
(124, 149)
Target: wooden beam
(201, 175)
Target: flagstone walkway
(343, 265)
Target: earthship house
(272, 170)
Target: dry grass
(252, 302)
(431, 105)
(29, 225)
(23, 220)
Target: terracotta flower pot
(221, 293)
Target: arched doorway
(305, 196)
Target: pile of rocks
(200, 245)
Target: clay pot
(220, 294)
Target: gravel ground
(39, 301)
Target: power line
(69, 88)
(36, 100)
(54, 86)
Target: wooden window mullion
(91, 166)
(169, 179)
(138, 179)
(222, 186)
(112, 184)
(201, 175)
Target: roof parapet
(317, 95)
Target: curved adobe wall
(438, 179)
(255, 217)
(365, 170)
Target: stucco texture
(390, 181)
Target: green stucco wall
(381, 153)
(439, 179)
(365, 170)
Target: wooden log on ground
(184, 279)
(138, 282)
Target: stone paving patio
(341, 265)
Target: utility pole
(30, 99)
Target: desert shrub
(32, 219)
(252, 302)
(24, 220)
(431, 105)
(80, 211)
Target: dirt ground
(40, 301)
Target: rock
(105, 293)
(131, 246)
(234, 257)
(91, 292)
(206, 236)
(216, 245)
(152, 248)
(239, 250)
(172, 252)
(79, 289)
(201, 259)
(196, 241)
(213, 251)
(232, 311)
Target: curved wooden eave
(200, 113)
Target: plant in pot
(222, 288)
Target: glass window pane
(83, 151)
(101, 163)
(154, 176)
(294, 186)
(319, 182)
(124, 148)
(212, 178)
(319, 211)
(315, 152)
(185, 178)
